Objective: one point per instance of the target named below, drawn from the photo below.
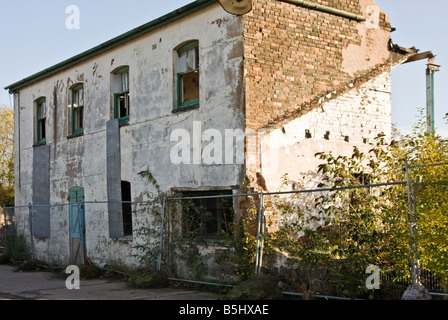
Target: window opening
(207, 217)
(127, 207)
(121, 95)
(77, 109)
(187, 69)
(41, 114)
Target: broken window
(121, 95)
(187, 70)
(77, 106)
(41, 114)
(209, 215)
(127, 207)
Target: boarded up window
(41, 192)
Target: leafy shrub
(16, 246)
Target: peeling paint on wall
(81, 161)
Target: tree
(6, 157)
(428, 154)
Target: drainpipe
(430, 71)
(17, 145)
(326, 9)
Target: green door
(77, 225)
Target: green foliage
(148, 175)
(183, 238)
(176, 245)
(6, 157)
(430, 189)
(153, 279)
(90, 272)
(348, 229)
(244, 241)
(259, 287)
(148, 247)
(16, 246)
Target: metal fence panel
(189, 237)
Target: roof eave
(113, 43)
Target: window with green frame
(187, 70)
(121, 95)
(77, 106)
(41, 119)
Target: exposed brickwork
(295, 57)
(346, 5)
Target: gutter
(113, 43)
(318, 7)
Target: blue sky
(35, 37)
(422, 24)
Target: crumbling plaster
(242, 87)
(360, 114)
(145, 141)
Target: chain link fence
(328, 238)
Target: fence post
(30, 215)
(9, 220)
(82, 238)
(159, 258)
(412, 224)
(260, 236)
(4, 222)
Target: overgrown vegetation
(260, 287)
(184, 222)
(332, 236)
(345, 231)
(6, 157)
(16, 246)
(152, 279)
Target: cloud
(443, 132)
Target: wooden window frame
(180, 76)
(76, 110)
(117, 95)
(41, 121)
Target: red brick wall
(295, 56)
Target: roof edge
(113, 43)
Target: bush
(29, 266)
(90, 272)
(258, 288)
(4, 259)
(154, 279)
(16, 247)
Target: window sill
(187, 108)
(123, 121)
(124, 239)
(39, 144)
(80, 134)
(40, 238)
